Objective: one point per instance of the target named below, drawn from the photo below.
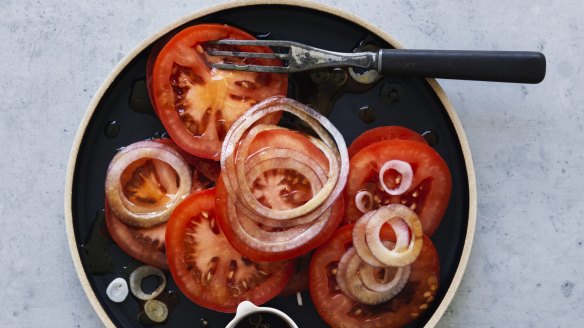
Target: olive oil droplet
(431, 137)
(367, 114)
(112, 129)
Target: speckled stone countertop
(526, 267)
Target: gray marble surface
(527, 141)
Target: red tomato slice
(340, 311)
(268, 192)
(144, 244)
(207, 269)
(207, 168)
(197, 103)
(428, 194)
(383, 133)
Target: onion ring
(398, 256)
(133, 214)
(367, 274)
(359, 201)
(140, 274)
(406, 172)
(337, 177)
(351, 284)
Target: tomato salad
(233, 204)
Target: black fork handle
(496, 66)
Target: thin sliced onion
(351, 284)
(270, 241)
(317, 199)
(396, 284)
(360, 201)
(140, 274)
(405, 171)
(400, 255)
(156, 311)
(360, 243)
(133, 214)
(281, 228)
(337, 173)
(277, 158)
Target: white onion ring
(359, 201)
(131, 213)
(140, 274)
(392, 214)
(406, 172)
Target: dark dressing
(431, 137)
(139, 99)
(112, 129)
(96, 247)
(262, 320)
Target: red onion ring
(271, 243)
(351, 284)
(396, 284)
(337, 177)
(406, 172)
(400, 255)
(359, 201)
(360, 243)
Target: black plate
(410, 102)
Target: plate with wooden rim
(120, 114)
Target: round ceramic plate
(120, 114)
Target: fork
(496, 66)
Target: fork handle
(497, 66)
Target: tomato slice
(207, 269)
(144, 244)
(197, 103)
(340, 311)
(428, 194)
(202, 167)
(383, 133)
(273, 189)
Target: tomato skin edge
(388, 132)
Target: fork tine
(254, 68)
(264, 43)
(248, 54)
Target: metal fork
(496, 66)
